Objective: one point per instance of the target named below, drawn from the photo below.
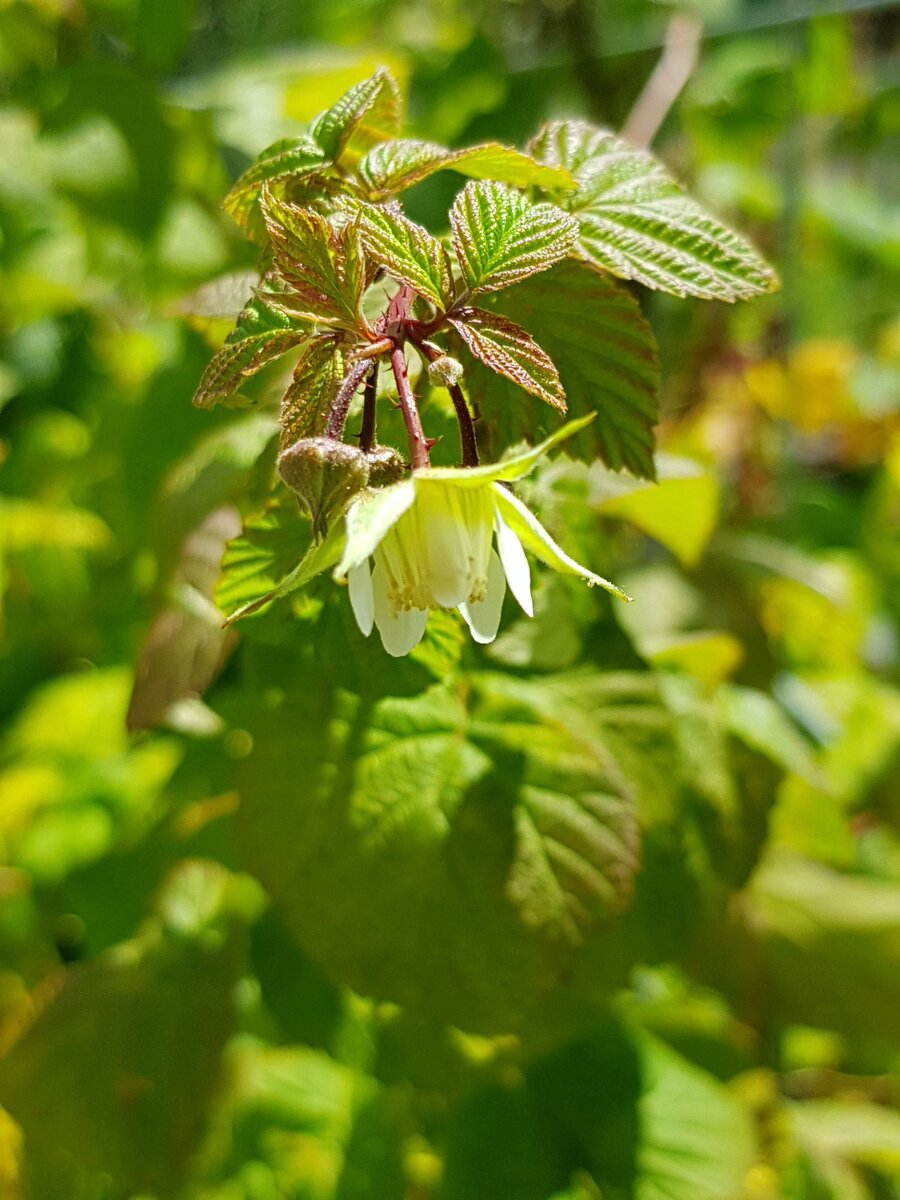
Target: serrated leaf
(637, 222)
(595, 333)
(272, 553)
(418, 867)
(366, 114)
(260, 335)
(322, 267)
(316, 379)
(510, 351)
(398, 164)
(408, 252)
(299, 158)
(500, 237)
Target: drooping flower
(447, 538)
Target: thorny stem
(337, 415)
(468, 444)
(418, 445)
(466, 428)
(367, 431)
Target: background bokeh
(165, 1030)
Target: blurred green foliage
(610, 909)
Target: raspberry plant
(530, 289)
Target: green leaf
(366, 114)
(449, 852)
(594, 331)
(260, 335)
(398, 164)
(269, 548)
(111, 1078)
(408, 252)
(636, 221)
(511, 351)
(680, 510)
(321, 267)
(316, 379)
(500, 237)
(298, 158)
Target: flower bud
(385, 466)
(445, 371)
(326, 475)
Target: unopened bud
(385, 466)
(445, 371)
(326, 475)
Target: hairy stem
(467, 441)
(337, 415)
(367, 431)
(418, 444)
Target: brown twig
(340, 406)
(669, 76)
(367, 430)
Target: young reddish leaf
(366, 114)
(317, 377)
(398, 164)
(500, 237)
(298, 158)
(407, 252)
(509, 350)
(637, 222)
(594, 330)
(260, 335)
(323, 267)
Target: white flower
(447, 538)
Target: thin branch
(671, 73)
(418, 444)
(340, 406)
(467, 441)
(367, 431)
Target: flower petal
(454, 533)
(362, 596)
(536, 539)
(515, 564)
(400, 631)
(483, 616)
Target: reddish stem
(340, 406)
(466, 429)
(418, 444)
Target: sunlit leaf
(500, 237)
(635, 221)
(606, 355)
(408, 252)
(510, 351)
(314, 384)
(366, 114)
(297, 158)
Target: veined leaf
(300, 158)
(408, 252)
(317, 377)
(260, 335)
(398, 164)
(500, 237)
(366, 114)
(322, 266)
(511, 351)
(594, 331)
(637, 222)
